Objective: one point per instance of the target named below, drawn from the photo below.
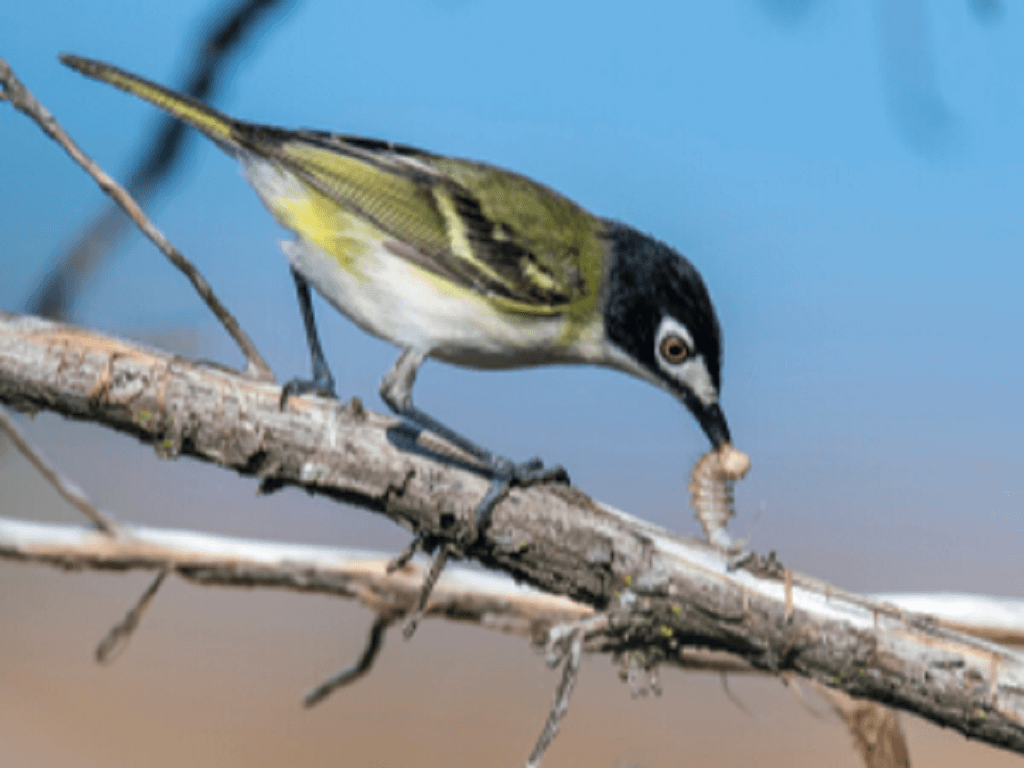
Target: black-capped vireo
(466, 263)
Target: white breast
(400, 302)
(391, 297)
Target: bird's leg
(396, 391)
(322, 382)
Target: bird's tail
(205, 118)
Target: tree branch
(464, 595)
(68, 491)
(461, 594)
(659, 593)
(22, 99)
(221, 39)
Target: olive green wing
(542, 245)
(480, 227)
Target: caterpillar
(711, 484)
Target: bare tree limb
(433, 573)
(374, 642)
(560, 706)
(22, 100)
(875, 729)
(68, 490)
(468, 596)
(119, 635)
(998, 619)
(210, 57)
(658, 593)
(461, 594)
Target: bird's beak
(712, 421)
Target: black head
(658, 314)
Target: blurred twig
(461, 594)
(875, 729)
(374, 643)
(911, 83)
(224, 36)
(573, 657)
(987, 10)
(21, 99)
(70, 492)
(117, 638)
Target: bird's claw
(506, 473)
(298, 387)
(533, 472)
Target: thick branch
(660, 592)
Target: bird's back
(477, 226)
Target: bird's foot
(506, 473)
(319, 385)
(526, 473)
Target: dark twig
(406, 555)
(22, 100)
(374, 642)
(110, 647)
(440, 560)
(724, 679)
(67, 489)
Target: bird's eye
(674, 349)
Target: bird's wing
(483, 228)
(479, 227)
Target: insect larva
(711, 484)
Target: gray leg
(322, 382)
(396, 391)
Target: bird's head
(660, 325)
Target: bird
(466, 263)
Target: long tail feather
(214, 124)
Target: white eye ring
(673, 336)
(690, 370)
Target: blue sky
(847, 177)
